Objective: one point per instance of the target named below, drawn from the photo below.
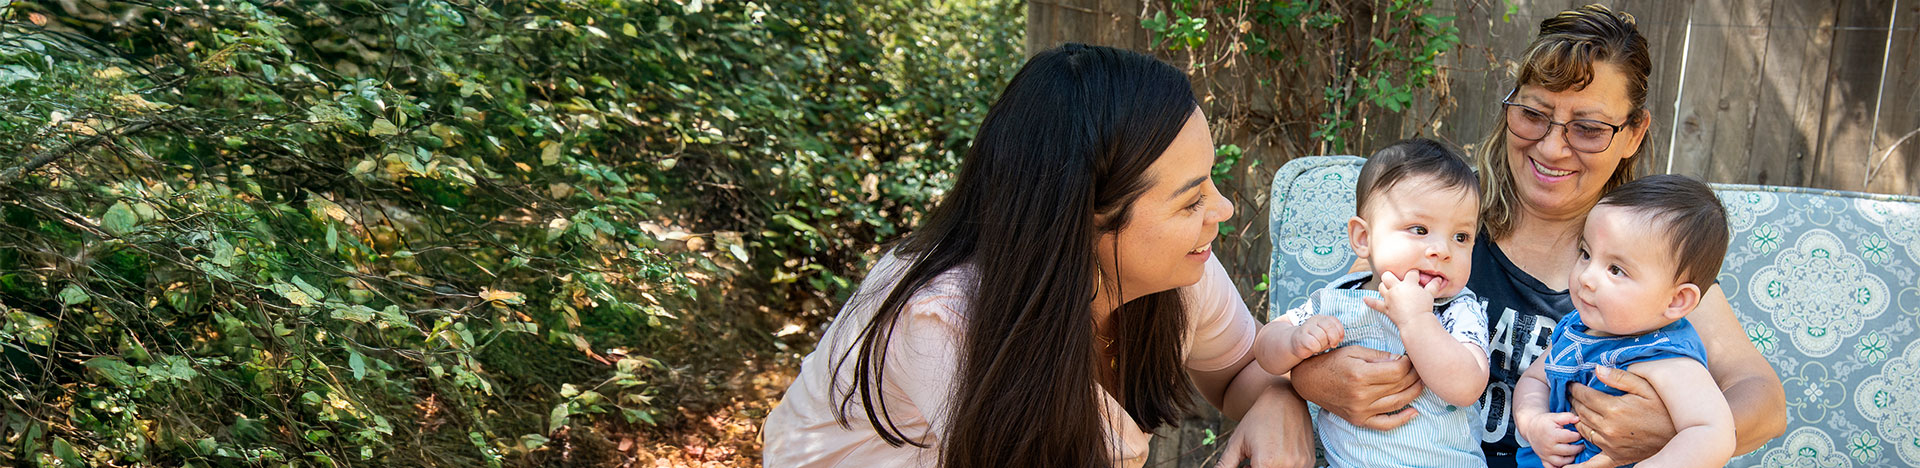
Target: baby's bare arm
(1453, 370)
(1280, 344)
(1530, 396)
(1703, 418)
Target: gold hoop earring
(1099, 283)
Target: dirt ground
(725, 436)
(727, 367)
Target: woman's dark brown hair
(1070, 137)
(1562, 57)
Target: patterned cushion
(1311, 200)
(1826, 283)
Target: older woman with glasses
(1568, 132)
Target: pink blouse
(921, 362)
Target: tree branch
(11, 174)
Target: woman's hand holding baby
(1630, 427)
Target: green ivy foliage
(242, 233)
(1361, 55)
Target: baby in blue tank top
(1647, 252)
(1417, 210)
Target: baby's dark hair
(1411, 157)
(1690, 215)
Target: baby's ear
(1357, 236)
(1685, 297)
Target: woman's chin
(1561, 199)
(1190, 278)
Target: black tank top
(1521, 313)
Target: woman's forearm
(1759, 412)
(1748, 382)
(1248, 387)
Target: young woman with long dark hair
(1057, 305)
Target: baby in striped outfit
(1417, 210)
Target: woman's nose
(1223, 211)
(1554, 143)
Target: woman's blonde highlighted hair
(1562, 57)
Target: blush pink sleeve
(924, 356)
(1219, 327)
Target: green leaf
(311, 291)
(533, 441)
(10, 74)
(173, 367)
(738, 252)
(795, 223)
(73, 295)
(320, 458)
(557, 418)
(550, 153)
(358, 363)
(66, 452)
(634, 415)
(120, 219)
(392, 317)
(222, 253)
(355, 313)
(383, 127)
(248, 430)
(1158, 23)
(33, 328)
(294, 294)
(114, 370)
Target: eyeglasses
(1583, 135)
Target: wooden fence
(1783, 92)
(1780, 92)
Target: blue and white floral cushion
(1826, 284)
(1315, 196)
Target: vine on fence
(1326, 64)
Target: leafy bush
(439, 232)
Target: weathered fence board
(1722, 75)
(1859, 44)
(1793, 79)
(1898, 110)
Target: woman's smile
(1549, 174)
(1201, 254)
